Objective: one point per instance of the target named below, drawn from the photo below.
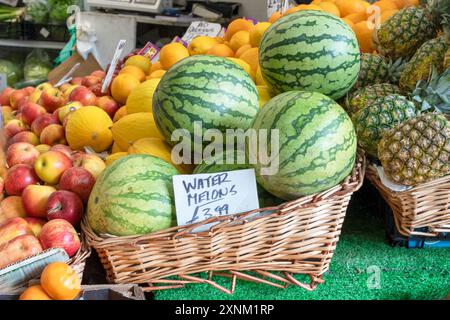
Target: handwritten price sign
(199, 197)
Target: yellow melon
(89, 127)
(141, 98)
(122, 112)
(265, 95)
(133, 127)
(115, 156)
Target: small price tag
(112, 67)
(68, 76)
(44, 32)
(199, 197)
(3, 81)
(201, 28)
(149, 51)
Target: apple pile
(44, 185)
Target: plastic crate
(46, 32)
(11, 30)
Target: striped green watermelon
(317, 143)
(312, 51)
(133, 196)
(214, 91)
(219, 163)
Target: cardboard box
(86, 67)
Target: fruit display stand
(297, 237)
(423, 210)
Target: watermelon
(212, 91)
(310, 51)
(133, 196)
(317, 144)
(219, 163)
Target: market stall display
(91, 159)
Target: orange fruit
(172, 53)
(239, 39)
(34, 293)
(236, 26)
(157, 74)
(139, 61)
(122, 86)
(60, 281)
(349, 22)
(364, 31)
(241, 50)
(347, 7)
(122, 112)
(410, 3)
(134, 71)
(201, 44)
(385, 5)
(399, 3)
(257, 32)
(301, 7)
(330, 7)
(156, 66)
(275, 16)
(244, 65)
(387, 14)
(221, 50)
(251, 56)
(356, 17)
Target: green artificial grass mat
(404, 273)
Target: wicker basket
(298, 237)
(423, 210)
(77, 262)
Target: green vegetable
(11, 70)
(59, 10)
(37, 65)
(38, 11)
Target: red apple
(64, 149)
(89, 81)
(18, 178)
(92, 163)
(29, 89)
(5, 95)
(59, 233)
(30, 111)
(16, 96)
(44, 86)
(36, 225)
(22, 102)
(11, 207)
(34, 200)
(24, 136)
(15, 126)
(108, 104)
(21, 153)
(77, 81)
(43, 121)
(65, 205)
(79, 181)
(83, 95)
(64, 87)
(65, 110)
(52, 99)
(53, 134)
(99, 73)
(51, 165)
(69, 90)
(35, 96)
(2, 186)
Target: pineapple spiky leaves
(363, 97)
(417, 150)
(377, 69)
(434, 94)
(383, 114)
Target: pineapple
(447, 59)
(430, 54)
(417, 150)
(434, 94)
(403, 33)
(383, 114)
(364, 97)
(377, 69)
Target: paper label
(112, 67)
(177, 39)
(3, 81)
(68, 76)
(201, 28)
(149, 51)
(199, 197)
(44, 32)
